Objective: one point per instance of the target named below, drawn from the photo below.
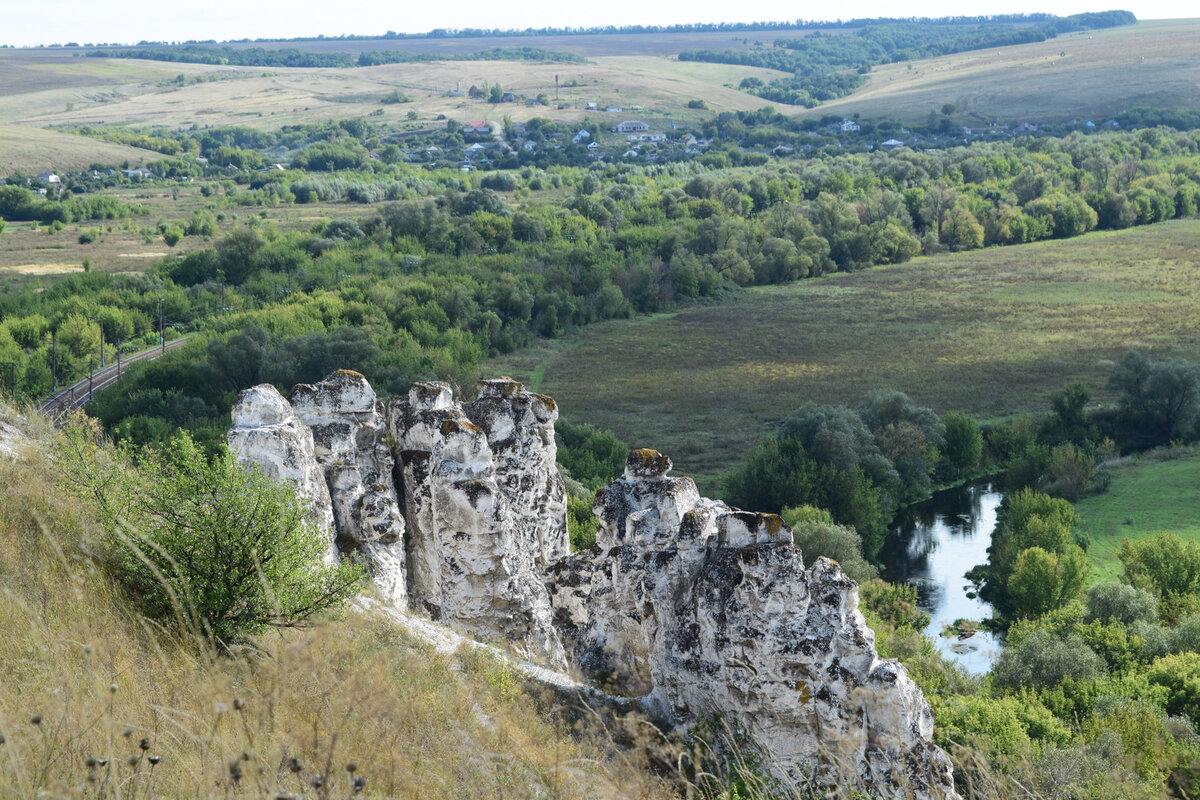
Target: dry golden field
(1080, 75)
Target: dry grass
(33, 149)
(1154, 64)
(96, 701)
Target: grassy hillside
(1146, 496)
(34, 150)
(82, 676)
(1088, 75)
(990, 332)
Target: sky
(25, 22)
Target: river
(932, 545)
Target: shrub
(839, 542)
(214, 546)
(1043, 660)
(1118, 602)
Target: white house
(848, 126)
(647, 137)
(892, 143)
(580, 135)
(48, 177)
(631, 126)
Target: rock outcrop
(706, 609)
(349, 443)
(691, 606)
(267, 432)
(475, 563)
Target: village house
(477, 128)
(580, 135)
(647, 137)
(848, 126)
(48, 177)
(631, 126)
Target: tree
(1113, 601)
(1042, 659)
(1164, 564)
(1043, 581)
(779, 472)
(1161, 399)
(960, 230)
(215, 546)
(964, 444)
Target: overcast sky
(25, 22)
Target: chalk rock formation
(519, 427)
(473, 562)
(706, 609)
(267, 432)
(690, 605)
(348, 429)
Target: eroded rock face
(705, 609)
(348, 429)
(267, 432)
(475, 563)
(519, 427)
(685, 603)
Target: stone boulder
(267, 432)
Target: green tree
(1160, 400)
(1043, 581)
(964, 445)
(1112, 601)
(1164, 564)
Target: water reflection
(932, 546)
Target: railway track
(81, 392)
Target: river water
(932, 545)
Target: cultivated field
(1146, 496)
(991, 332)
(1088, 75)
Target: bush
(214, 546)
(1043, 660)
(1118, 602)
(818, 538)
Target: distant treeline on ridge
(291, 57)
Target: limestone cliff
(692, 606)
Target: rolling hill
(1081, 75)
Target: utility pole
(162, 338)
(54, 362)
(91, 370)
(101, 348)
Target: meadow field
(1091, 75)
(1148, 495)
(991, 332)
